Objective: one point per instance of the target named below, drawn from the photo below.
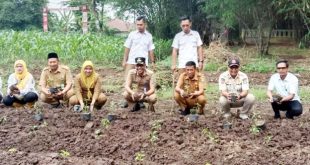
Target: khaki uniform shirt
(233, 85)
(191, 85)
(138, 83)
(60, 78)
(81, 90)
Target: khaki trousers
(246, 104)
(101, 100)
(191, 102)
(149, 99)
(49, 99)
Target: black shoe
(124, 104)
(289, 116)
(185, 112)
(141, 104)
(136, 107)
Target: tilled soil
(161, 137)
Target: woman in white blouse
(21, 87)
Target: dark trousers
(29, 97)
(1, 98)
(292, 108)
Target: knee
(250, 98)
(202, 100)
(31, 97)
(297, 110)
(127, 96)
(102, 99)
(152, 99)
(223, 101)
(8, 101)
(73, 100)
(177, 96)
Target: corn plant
(139, 156)
(211, 135)
(64, 153)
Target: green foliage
(139, 156)
(261, 65)
(105, 123)
(72, 48)
(21, 14)
(211, 135)
(254, 129)
(64, 153)
(156, 126)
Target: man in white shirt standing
(138, 44)
(187, 46)
(283, 92)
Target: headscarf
(88, 81)
(23, 76)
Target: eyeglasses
(185, 25)
(234, 67)
(281, 68)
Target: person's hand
(60, 93)
(173, 68)
(91, 107)
(142, 96)
(192, 95)
(270, 99)
(200, 66)
(82, 106)
(153, 67)
(124, 64)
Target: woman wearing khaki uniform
(87, 88)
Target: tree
(21, 14)
(97, 14)
(163, 15)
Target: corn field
(72, 48)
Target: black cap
(140, 60)
(52, 55)
(233, 62)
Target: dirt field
(142, 137)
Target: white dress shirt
(187, 45)
(139, 44)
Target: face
(140, 25)
(140, 69)
(186, 26)
(53, 63)
(19, 68)
(282, 69)
(190, 71)
(88, 70)
(233, 70)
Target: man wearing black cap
(55, 81)
(140, 86)
(234, 87)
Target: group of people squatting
(57, 86)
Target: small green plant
(156, 126)
(268, 138)
(64, 153)
(254, 129)
(139, 156)
(105, 123)
(3, 119)
(211, 136)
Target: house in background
(120, 26)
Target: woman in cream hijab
(87, 86)
(21, 87)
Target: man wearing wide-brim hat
(234, 90)
(140, 86)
